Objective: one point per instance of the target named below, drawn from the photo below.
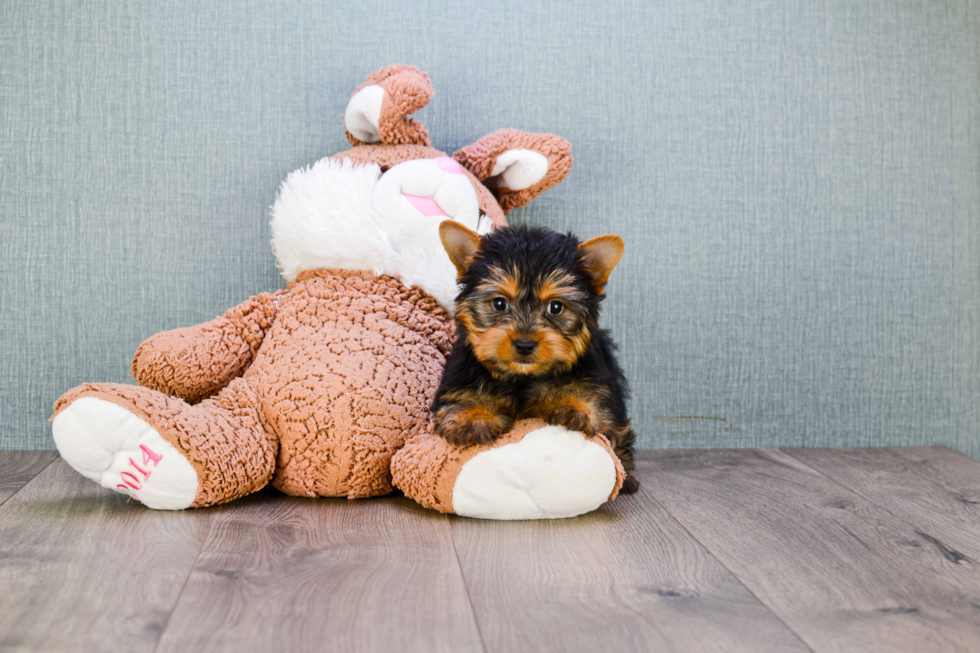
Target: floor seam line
(180, 595)
(29, 481)
(725, 567)
(466, 586)
(920, 528)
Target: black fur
(535, 253)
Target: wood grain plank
(956, 472)
(891, 480)
(840, 571)
(627, 577)
(285, 573)
(82, 569)
(19, 467)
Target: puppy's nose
(525, 346)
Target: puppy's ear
(461, 243)
(599, 256)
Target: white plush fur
(323, 218)
(420, 259)
(336, 214)
(551, 473)
(102, 441)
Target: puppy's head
(529, 298)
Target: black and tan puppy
(528, 342)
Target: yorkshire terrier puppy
(528, 342)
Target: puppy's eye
(499, 304)
(555, 307)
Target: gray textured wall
(798, 183)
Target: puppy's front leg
(583, 406)
(467, 416)
(576, 405)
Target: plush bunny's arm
(195, 362)
(534, 471)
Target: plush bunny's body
(317, 387)
(339, 371)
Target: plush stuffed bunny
(316, 387)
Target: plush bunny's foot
(161, 450)
(535, 471)
(550, 473)
(115, 448)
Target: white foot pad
(110, 445)
(551, 473)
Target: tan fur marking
(466, 320)
(509, 283)
(557, 285)
(502, 282)
(494, 348)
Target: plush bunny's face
(378, 206)
(433, 188)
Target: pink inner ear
(447, 164)
(426, 205)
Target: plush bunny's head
(378, 205)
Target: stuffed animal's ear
(461, 243)
(600, 255)
(517, 166)
(379, 110)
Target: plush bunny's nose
(448, 164)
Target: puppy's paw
(465, 434)
(466, 426)
(572, 417)
(630, 485)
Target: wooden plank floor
(751, 550)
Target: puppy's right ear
(461, 243)
(599, 256)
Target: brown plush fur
(315, 387)
(407, 89)
(481, 156)
(339, 370)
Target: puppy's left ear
(461, 243)
(517, 166)
(599, 256)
